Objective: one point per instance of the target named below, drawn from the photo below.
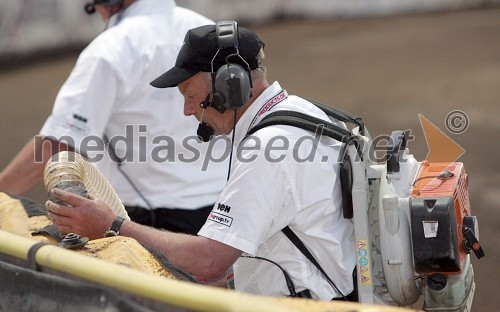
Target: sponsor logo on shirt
(223, 208)
(80, 118)
(220, 218)
(76, 125)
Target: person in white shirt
(273, 181)
(136, 135)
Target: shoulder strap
(314, 124)
(304, 121)
(300, 245)
(340, 115)
(323, 127)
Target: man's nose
(189, 108)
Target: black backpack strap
(345, 174)
(309, 123)
(318, 125)
(300, 245)
(328, 128)
(340, 115)
(304, 121)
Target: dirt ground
(387, 70)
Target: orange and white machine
(412, 220)
(414, 230)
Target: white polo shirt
(281, 184)
(108, 93)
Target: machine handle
(471, 242)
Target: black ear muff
(232, 86)
(218, 101)
(231, 83)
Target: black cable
(300, 245)
(232, 147)
(119, 161)
(288, 279)
(442, 176)
(148, 204)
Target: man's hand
(87, 217)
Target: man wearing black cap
(279, 177)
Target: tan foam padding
(120, 250)
(125, 251)
(13, 218)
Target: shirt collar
(142, 7)
(262, 105)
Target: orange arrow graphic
(442, 149)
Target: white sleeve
(84, 103)
(251, 207)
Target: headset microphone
(90, 7)
(204, 132)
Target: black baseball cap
(199, 48)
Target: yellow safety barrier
(173, 292)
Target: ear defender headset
(231, 84)
(90, 6)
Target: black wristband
(114, 230)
